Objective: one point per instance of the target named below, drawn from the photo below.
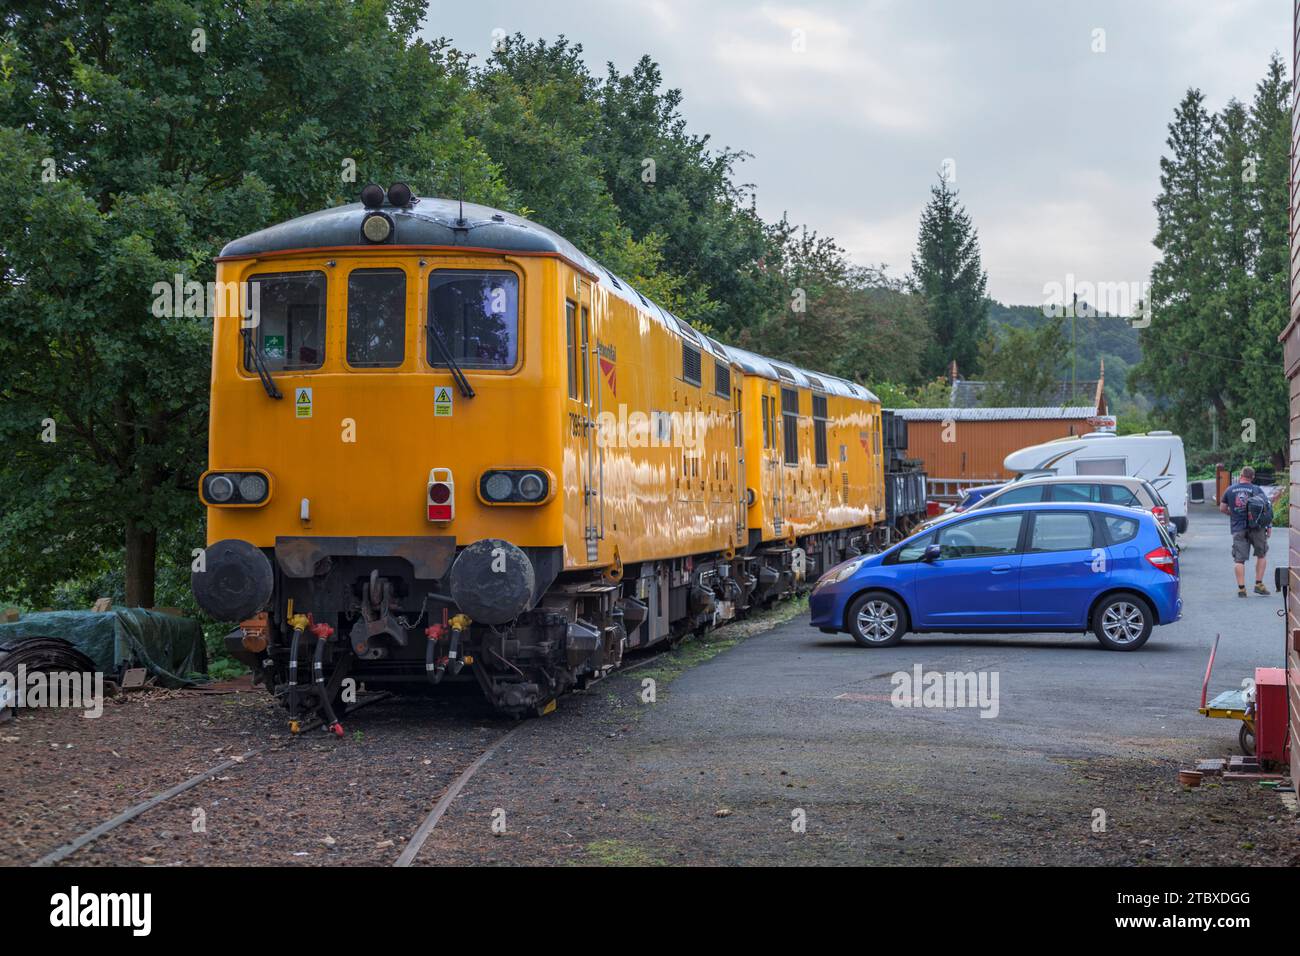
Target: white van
(1155, 456)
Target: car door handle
(1001, 568)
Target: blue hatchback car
(1042, 567)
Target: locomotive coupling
(459, 626)
(434, 666)
(299, 623)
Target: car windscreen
(1155, 495)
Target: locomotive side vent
(691, 364)
(721, 380)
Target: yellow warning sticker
(302, 402)
(442, 402)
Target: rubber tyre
(1246, 741)
(1128, 610)
(880, 605)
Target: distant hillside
(1109, 337)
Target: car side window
(1118, 495)
(982, 537)
(1029, 495)
(1075, 491)
(1061, 531)
(1120, 529)
(914, 550)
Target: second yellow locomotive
(446, 445)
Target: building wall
(1291, 340)
(977, 449)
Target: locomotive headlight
(234, 489)
(498, 487)
(220, 488)
(252, 488)
(531, 487)
(524, 486)
(376, 227)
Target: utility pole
(1074, 350)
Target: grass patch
(619, 853)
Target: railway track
(65, 850)
(410, 850)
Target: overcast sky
(1056, 147)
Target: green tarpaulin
(169, 647)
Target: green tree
(609, 165)
(1023, 365)
(135, 139)
(847, 320)
(669, 182)
(1261, 381)
(1183, 361)
(946, 271)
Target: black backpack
(1254, 506)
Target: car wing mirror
(932, 553)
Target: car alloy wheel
(1123, 622)
(877, 621)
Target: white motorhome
(1155, 456)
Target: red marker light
(440, 495)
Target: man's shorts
(1243, 541)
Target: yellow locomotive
(446, 445)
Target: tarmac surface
(793, 727)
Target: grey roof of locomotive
(447, 222)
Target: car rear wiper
(259, 363)
(461, 381)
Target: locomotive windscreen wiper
(259, 363)
(461, 381)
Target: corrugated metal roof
(994, 414)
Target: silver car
(1097, 489)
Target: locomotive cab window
(376, 318)
(476, 314)
(570, 346)
(289, 316)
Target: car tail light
(1163, 559)
(440, 496)
(1162, 515)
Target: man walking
(1251, 516)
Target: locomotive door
(775, 461)
(592, 503)
(582, 414)
(738, 485)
